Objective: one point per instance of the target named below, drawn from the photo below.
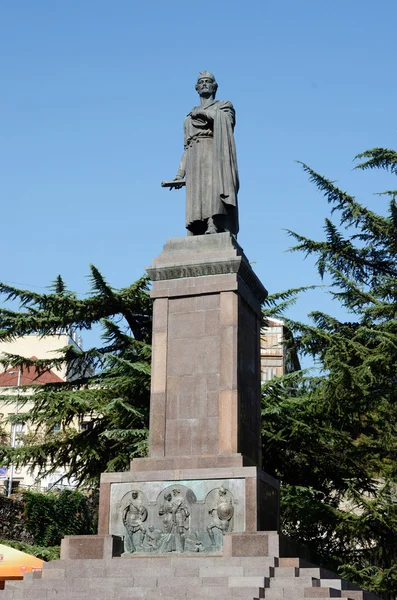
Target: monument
(198, 518)
(203, 476)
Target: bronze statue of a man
(209, 163)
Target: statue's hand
(177, 185)
(199, 113)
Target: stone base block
(260, 543)
(206, 380)
(269, 544)
(189, 462)
(79, 547)
(186, 510)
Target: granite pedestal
(203, 470)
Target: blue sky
(93, 99)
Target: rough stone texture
(77, 547)
(187, 462)
(159, 375)
(104, 508)
(258, 571)
(249, 440)
(205, 369)
(247, 544)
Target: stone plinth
(251, 494)
(202, 479)
(205, 395)
(77, 547)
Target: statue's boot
(211, 227)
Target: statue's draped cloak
(211, 166)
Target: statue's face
(135, 495)
(206, 86)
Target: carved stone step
(352, 590)
(217, 593)
(236, 571)
(128, 563)
(300, 582)
(322, 592)
(286, 572)
(340, 584)
(358, 594)
(292, 594)
(274, 593)
(319, 573)
(236, 582)
(182, 578)
(301, 563)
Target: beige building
(276, 359)
(12, 378)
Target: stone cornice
(235, 265)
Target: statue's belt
(197, 138)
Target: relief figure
(168, 537)
(134, 515)
(180, 517)
(221, 514)
(152, 538)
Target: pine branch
(100, 285)
(378, 158)
(58, 286)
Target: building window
(86, 425)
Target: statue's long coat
(210, 164)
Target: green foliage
(106, 385)
(330, 434)
(51, 516)
(379, 158)
(46, 553)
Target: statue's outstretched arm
(179, 176)
(182, 167)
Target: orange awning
(14, 563)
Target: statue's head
(134, 494)
(176, 491)
(206, 84)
